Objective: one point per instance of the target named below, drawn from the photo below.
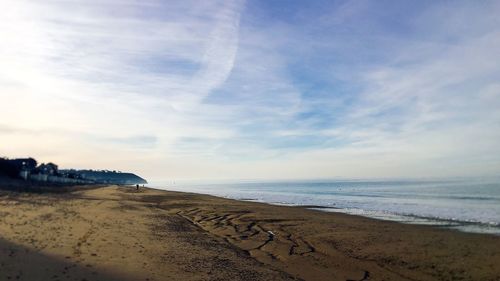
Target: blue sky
(255, 89)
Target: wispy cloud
(235, 89)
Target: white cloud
(84, 67)
(201, 89)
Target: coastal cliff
(30, 171)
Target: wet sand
(117, 233)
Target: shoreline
(412, 219)
(450, 224)
(118, 233)
(469, 215)
(435, 222)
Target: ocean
(470, 205)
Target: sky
(269, 89)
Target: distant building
(27, 169)
(24, 175)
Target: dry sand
(117, 233)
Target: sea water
(471, 205)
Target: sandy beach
(118, 233)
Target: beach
(119, 233)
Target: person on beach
(137, 187)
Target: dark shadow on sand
(22, 263)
